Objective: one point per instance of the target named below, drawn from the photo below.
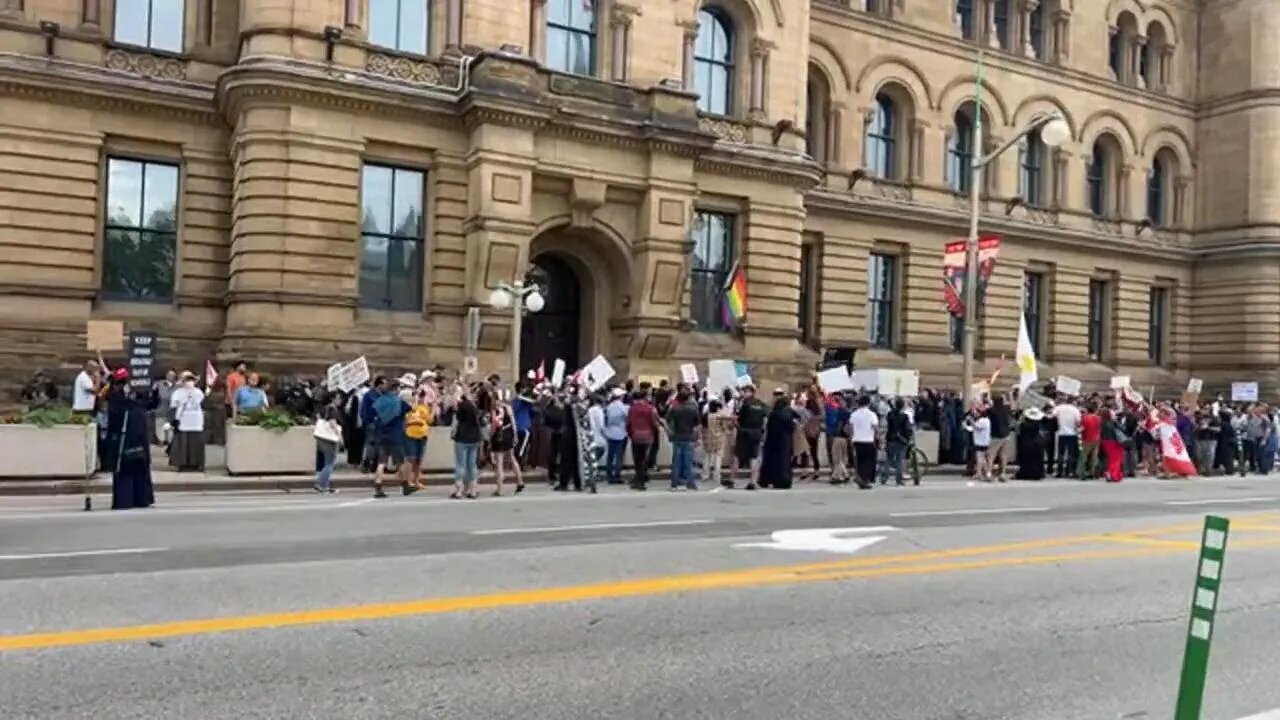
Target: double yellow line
(921, 563)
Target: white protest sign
(834, 380)
(353, 374)
(689, 374)
(721, 374)
(331, 376)
(557, 373)
(597, 373)
(744, 381)
(1068, 386)
(865, 379)
(899, 383)
(1244, 392)
(1195, 385)
(1119, 382)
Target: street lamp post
(517, 297)
(1054, 131)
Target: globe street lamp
(1054, 131)
(517, 297)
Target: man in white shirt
(84, 394)
(1068, 417)
(863, 423)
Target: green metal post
(1204, 603)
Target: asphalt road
(951, 602)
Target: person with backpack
(388, 420)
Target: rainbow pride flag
(734, 306)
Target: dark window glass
(1099, 295)
(881, 289)
(1031, 177)
(1036, 30)
(881, 139)
(1033, 307)
(392, 238)
(403, 25)
(1155, 192)
(140, 234)
(713, 63)
(155, 24)
(571, 36)
(960, 154)
(1115, 54)
(1001, 18)
(709, 271)
(964, 19)
(809, 298)
(1096, 176)
(1158, 317)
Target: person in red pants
(1112, 446)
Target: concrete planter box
(263, 451)
(61, 451)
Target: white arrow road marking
(829, 540)
(1268, 715)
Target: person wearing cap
(128, 447)
(186, 452)
(615, 435)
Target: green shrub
(278, 419)
(47, 416)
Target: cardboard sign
(105, 335)
(689, 373)
(331, 376)
(353, 374)
(557, 373)
(1244, 392)
(141, 358)
(899, 383)
(1068, 386)
(597, 372)
(1119, 382)
(470, 365)
(1195, 385)
(834, 380)
(865, 379)
(721, 374)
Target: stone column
(621, 20)
(1137, 43)
(760, 49)
(1061, 36)
(1028, 7)
(991, 176)
(1181, 190)
(90, 13)
(1113, 33)
(351, 14)
(690, 28)
(1060, 186)
(453, 24)
(835, 135)
(989, 24)
(1166, 67)
(1124, 193)
(537, 30)
(916, 156)
(204, 22)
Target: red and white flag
(210, 373)
(541, 373)
(1174, 451)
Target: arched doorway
(556, 331)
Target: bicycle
(915, 463)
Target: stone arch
(601, 258)
(819, 97)
(893, 103)
(896, 69)
(829, 58)
(1112, 121)
(1038, 105)
(1159, 14)
(1115, 7)
(743, 14)
(960, 90)
(1172, 137)
(1106, 156)
(741, 22)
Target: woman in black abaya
(1030, 447)
(129, 447)
(779, 434)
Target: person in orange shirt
(235, 380)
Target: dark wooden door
(555, 331)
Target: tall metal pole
(971, 246)
(517, 325)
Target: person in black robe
(1030, 446)
(779, 434)
(129, 448)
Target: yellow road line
(1154, 542)
(541, 596)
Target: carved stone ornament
(726, 130)
(149, 66)
(400, 68)
(761, 47)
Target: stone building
(300, 182)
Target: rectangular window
(403, 25)
(571, 36)
(713, 259)
(807, 314)
(140, 230)
(1158, 323)
(881, 288)
(392, 237)
(1033, 306)
(155, 24)
(1099, 312)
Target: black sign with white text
(141, 359)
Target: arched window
(1031, 172)
(817, 116)
(960, 152)
(964, 19)
(1035, 30)
(1156, 182)
(1120, 52)
(881, 139)
(1115, 55)
(571, 36)
(1155, 58)
(713, 63)
(1095, 175)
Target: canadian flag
(1174, 451)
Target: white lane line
(357, 503)
(597, 526)
(1268, 715)
(982, 511)
(1221, 501)
(82, 553)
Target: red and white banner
(1174, 451)
(954, 275)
